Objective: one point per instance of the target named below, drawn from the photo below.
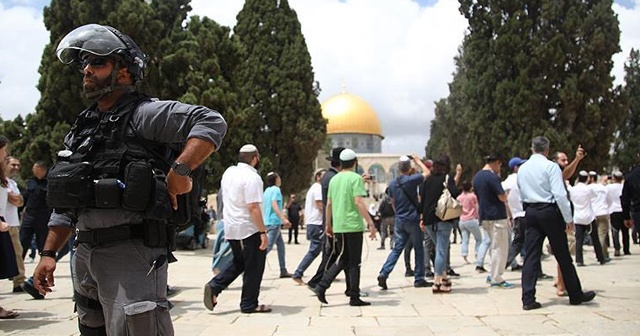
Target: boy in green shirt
(344, 220)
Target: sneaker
(423, 284)
(488, 279)
(409, 273)
(172, 291)
(380, 248)
(545, 277)
(429, 274)
(18, 289)
(480, 269)
(356, 302)
(285, 274)
(516, 267)
(503, 285)
(452, 273)
(616, 253)
(382, 282)
(298, 281)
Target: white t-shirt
(510, 185)
(241, 186)
(600, 203)
(582, 197)
(11, 215)
(614, 191)
(313, 215)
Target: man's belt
(99, 237)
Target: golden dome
(347, 113)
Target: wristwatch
(49, 253)
(181, 169)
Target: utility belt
(143, 189)
(152, 233)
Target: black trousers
(545, 220)
(617, 226)
(349, 250)
(329, 257)
(592, 229)
(247, 258)
(518, 240)
(26, 235)
(295, 225)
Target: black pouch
(70, 185)
(155, 233)
(160, 205)
(138, 180)
(108, 193)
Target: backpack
(386, 209)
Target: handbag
(447, 207)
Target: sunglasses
(94, 62)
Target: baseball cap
(348, 155)
(335, 154)
(515, 162)
(248, 148)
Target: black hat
(492, 157)
(335, 154)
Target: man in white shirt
(315, 230)
(614, 191)
(601, 211)
(582, 196)
(14, 200)
(510, 186)
(245, 231)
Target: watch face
(181, 169)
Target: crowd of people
(507, 217)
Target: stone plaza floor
(472, 308)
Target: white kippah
(593, 173)
(347, 155)
(583, 173)
(248, 148)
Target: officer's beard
(95, 84)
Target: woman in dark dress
(8, 266)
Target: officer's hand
(177, 185)
(264, 241)
(43, 275)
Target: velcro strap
(86, 302)
(99, 237)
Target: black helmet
(102, 40)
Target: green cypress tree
(627, 143)
(278, 95)
(535, 68)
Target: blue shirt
(487, 186)
(406, 209)
(271, 194)
(540, 181)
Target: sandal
(210, 299)
(259, 309)
(446, 282)
(7, 314)
(440, 288)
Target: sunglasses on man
(94, 62)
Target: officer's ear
(124, 76)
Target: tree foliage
(530, 68)
(277, 93)
(627, 143)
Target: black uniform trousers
(545, 220)
(518, 240)
(349, 250)
(617, 224)
(247, 258)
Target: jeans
(403, 232)
(314, 235)
(441, 232)
(275, 237)
(484, 247)
(467, 228)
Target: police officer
(111, 185)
